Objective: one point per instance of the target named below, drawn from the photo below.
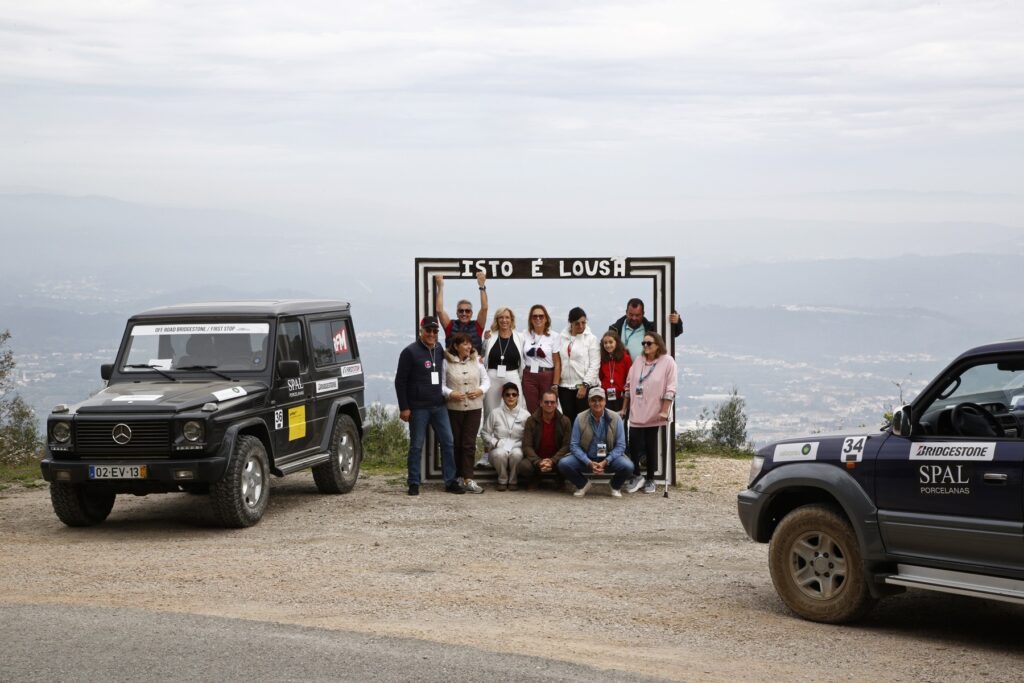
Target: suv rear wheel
(240, 497)
(339, 474)
(816, 566)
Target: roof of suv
(271, 307)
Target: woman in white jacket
(503, 357)
(503, 436)
(581, 364)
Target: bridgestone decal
(953, 450)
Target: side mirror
(902, 422)
(288, 369)
(106, 370)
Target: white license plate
(117, 471)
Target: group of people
(545, 403)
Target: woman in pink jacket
(649, 394)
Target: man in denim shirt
(597, 446)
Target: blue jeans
(573, 470)
(437, 418)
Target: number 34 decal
(853, 449)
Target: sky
(519, 116)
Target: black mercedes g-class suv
(935, 500)
(213, 398)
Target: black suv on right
(935, 500)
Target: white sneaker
(650, 487)
(471, 486)
(616, 493)
(634, 484)
(580, 492)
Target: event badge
(611, 393)
(435, 377)
(501, 371)
(602, 450)
(639, 392)
(534, 367)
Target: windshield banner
(202, 328)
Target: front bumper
(749, 503)
(160, 472)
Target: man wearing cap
(421, 402)
(597, 446)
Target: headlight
(192, 431)
(755, 468)
(61, 432)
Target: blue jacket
(615, 450)
(412, 381)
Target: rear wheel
(78, 505)
(240, 497)
(339, 474)
(816, 566)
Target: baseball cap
(429, 322)
(595, 391)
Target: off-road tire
(240, 497)
(78, 505)
(339, 474)
(816, 566)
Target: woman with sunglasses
(503, 357)
(650, 393)
(503, 436)
(465, 383)
(543, 364)
(615, 365)
(581, 363)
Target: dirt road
(668, 587)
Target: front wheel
(816, 566)
(339, 474)
(240, 497)
(78, 505)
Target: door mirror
(902, 422)
(288, 369)
(106, 370)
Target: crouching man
(597, 446)
(545, 441)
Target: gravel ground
(668, 587)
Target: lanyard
(643, 377)
(612, 364)
(632, 332)
(502, 347)
(572, 340)
(431, 352)
(515, 419)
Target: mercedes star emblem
(121, 433)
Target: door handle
(995, 478)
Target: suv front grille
(148, 439)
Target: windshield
(221, 346)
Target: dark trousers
(643, 441)
(465, 425)
(571, 406)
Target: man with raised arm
(463, 321)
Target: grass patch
(24, 474)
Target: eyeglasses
(647, 343)
(510, 395)
(538, 316)
(539, 353)
(464, 310)
(430, 330)
(549, 403)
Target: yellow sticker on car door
(296, 423)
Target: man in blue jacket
(597, 446)
(421, 402)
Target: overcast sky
(529, 113)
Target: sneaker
(580, 492)
(616, 493)
(634, 484)
(650, 487)
(471, 486)
(453, 488)
(414, 489)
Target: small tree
(19, 436)
(730, 422)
